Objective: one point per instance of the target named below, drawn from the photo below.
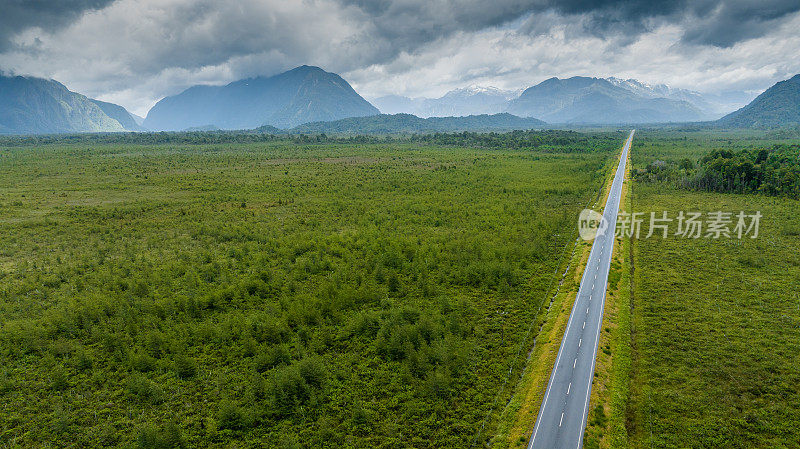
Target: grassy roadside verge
(519, 416)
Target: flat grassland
(715, 329)
(278, 294)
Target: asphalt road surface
(562, 416)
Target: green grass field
(278, 294)
(716, 329)
(715, 323)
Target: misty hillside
(31, 105)
(398, 104)
(711, 106)
(301, 95)
(409, 124)
(778, 106)
(472, 100)
(120, 114)
(476, 100)
(595, 100)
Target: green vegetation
(408, 124)
(177, 290)
(774, 171)
(276, 293)
(713, 330)
(717, 324)
(553, 141)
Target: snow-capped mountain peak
(481, 90)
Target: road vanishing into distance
(562, 416)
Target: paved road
(562, 416)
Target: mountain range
(712, 105)
(472, 100)
(301, 95)
(491, 100)
(585, 100)
(409, 124)
(309, 99)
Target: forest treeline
(543, 140)
(772, 171)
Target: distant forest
(543, 140)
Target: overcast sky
(134, 52)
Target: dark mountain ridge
(776, 107)
(30, 105)
(411, 124)
(301, 95)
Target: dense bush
(231, 417)
(170, 437)
(250, 291)
(271, 357)
(143, 389)
(185, 367)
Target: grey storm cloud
(727, 23)
(719, 23)
(406, 24)
(19, 15)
